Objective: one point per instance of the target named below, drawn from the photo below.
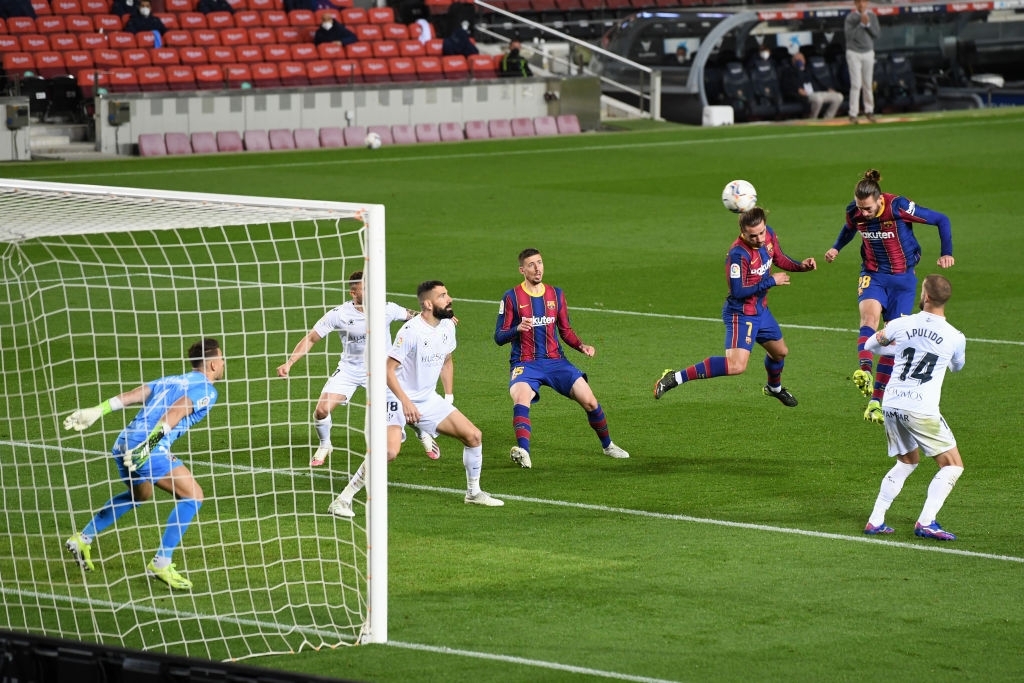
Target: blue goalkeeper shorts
(158, 466)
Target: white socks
(941, 486)
(473, 460)
(323, 430)
(892, 484)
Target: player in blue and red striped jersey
(532, 316)
(887, 284)
(748, 269)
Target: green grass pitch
(729, 546)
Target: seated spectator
(207, 6)
(144, 20)
(458, 42)
(332, 31)
(800, 85)
(16, 8)
(123, 7)
(311, 5)
(514, 64)
(679, 58)
(426, 30)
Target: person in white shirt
(924, 346)
(422, 354)
(349, 321)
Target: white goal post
(104, 289)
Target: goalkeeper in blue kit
(141, 452)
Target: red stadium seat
(229, 141)
(477, 130)
(177, 38)
(281, 138)
(41, 7)
(179, 6)
(50, 64)
(210, 77)
(136, 58)
(193, 54)
(375, 70)
(274, 19)
(348, 71)
(427, 132)
(411, 48)
(384, 49)
(303, 52)
(359, 51)
(293, 74)
(395, 31)
(368, 32)
(402, 69)
(276, 53)
(95, 7)
(106, 57)
(206, 37)
(165, 56)
(123, 79)
(9, 43)
(203, 143)
(89, 80)
(121, 40)
(262, 36)
(435, 46)
(51, 24)
(265, 5)
(380, 15)
(354, 16)
(152, 145)
(321, 72)
(306, 138)
(302, 17)
(332, 136)
(99, 22)
(66, 6)
(454, 67)
(145, 39)
(20, 25)
(248, 54)
(62, 42)
(92, 41)
(152, 78)
(354, 136)
(294, 34)
(237, 74)
(234, 36)
(180, 77)
(78, 60)
(170, 21)
(248, 19)
(190, 21)
(256, 141)
(482, 66)
(34, 42)
(330, 51)
(219, 20)
(428, 68)
(221, 54)
(266, 75)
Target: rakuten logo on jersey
(540, 320)
(767, 266)
(879, 235)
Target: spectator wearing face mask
(332, 31)
(144, 20)
(459, 42)
(800, 85)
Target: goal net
(104, 289)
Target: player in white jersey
(422, 354)
(924, 346)
(349, 321)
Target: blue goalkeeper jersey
(163, 393)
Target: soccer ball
(739, 196)
(372, 141)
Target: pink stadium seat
(403, 134)
(354, 136)
(305, 138)
(477, 130)
(451, 131)
(229, 141)
(203, 143)
(523, 127)
(177, 143)
(568, 123)
(427, 132)
(383, 131)
(281, 138)
(152, 145)
(545, 125)
(256, 141)
(332, 136)
(499, 128)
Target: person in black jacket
(16, 8)
(514, 64)
(800, 85)
(332, 31)
(144, 20)
(458, 42)
(207, 6)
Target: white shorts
(345, 380)
(907, 431)
(433, 412)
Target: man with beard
(422, 354)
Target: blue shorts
(557, 373)
(743, 331)
(159, 465)
(896, 293)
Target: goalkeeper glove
(84, 417)
(137, 457)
